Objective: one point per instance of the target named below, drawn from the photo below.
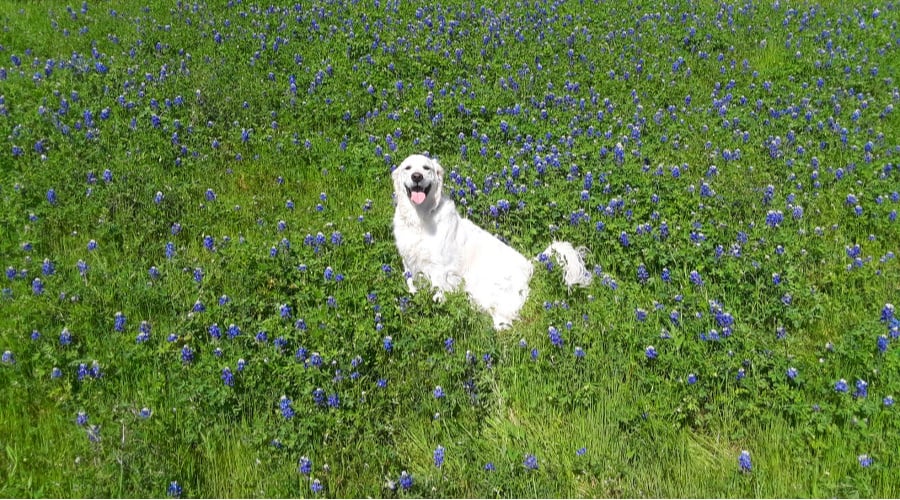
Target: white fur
(449, 251)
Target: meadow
(202, 298)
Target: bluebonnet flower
(438, 392)
(233, 331)
(882, 343)
(666, 275)
(862, 389)
(530, 462)
(48, 268)
(381, 383)
(650, 352)
(640, 314)
(318, 396)
(119, 322)
(92, 245)
(198, 307)
(555, 338)
(51, 196)
(642, 274)
(227, 377)
(792, 373)
(214, 331)
(334, 400)
(439, 456)
(65, 337)
(691, 379)
(489, 467)
(888, 401)
(285, 405)
(81, 418)
(198, 275)
(448, 345)
(145, 413)
(744, 461)
(841, 386)
(187, 354)
(579, 353)
(534, 354)
(261, 337)
(315, 359)
(388, 343)
(315, 486)
(153, 271)
(695, 278)
(864, 460)
(8, 358)
(174, 490)
(305, 466)
(406, 480)
(887, 313)
(241, 364)
(37, 286)
(54, 373)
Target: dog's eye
(408, 167)
(426, 167)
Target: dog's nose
(416, 177)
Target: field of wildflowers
(202, 295)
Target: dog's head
(419, 181)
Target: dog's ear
(438, 189)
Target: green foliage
(258, 142)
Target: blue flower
(864, 460)
(650, 352)
(174, 490)
(8, 358)
(555, 338)
(489, 467)
(744, 461)
(145, 413)
(579, 353)
(438, 392)
(581, 451)
(388, 344)
(695, 278)
(439, 456)
(305, 466)
(406, 480)
(285, 405)
(65, 337)
(227, 377)
(119, 322)
(792, 373)
(81, 418)
(530, 462)
(888, 401)
(862, 389)
(841, 386)
(187, 354)
(315, 486)
(691, 379)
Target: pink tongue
(417, 197)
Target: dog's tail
(571, 260)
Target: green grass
(201, 110)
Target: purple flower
(555, 338)
(227, 377)
(8, 358)
(650, 352)
(841, 386)
(792, 373)
(864, 460)
(439, 456)
(174, 490)
(315, 486)
(744, 461)
(530, 462)
(695, 278)
(285, 405)
(406, 480)
(862, 389)
(438, 392)
(305, 466)
(187, 355)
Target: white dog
(449, 251)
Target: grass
(231, 165)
